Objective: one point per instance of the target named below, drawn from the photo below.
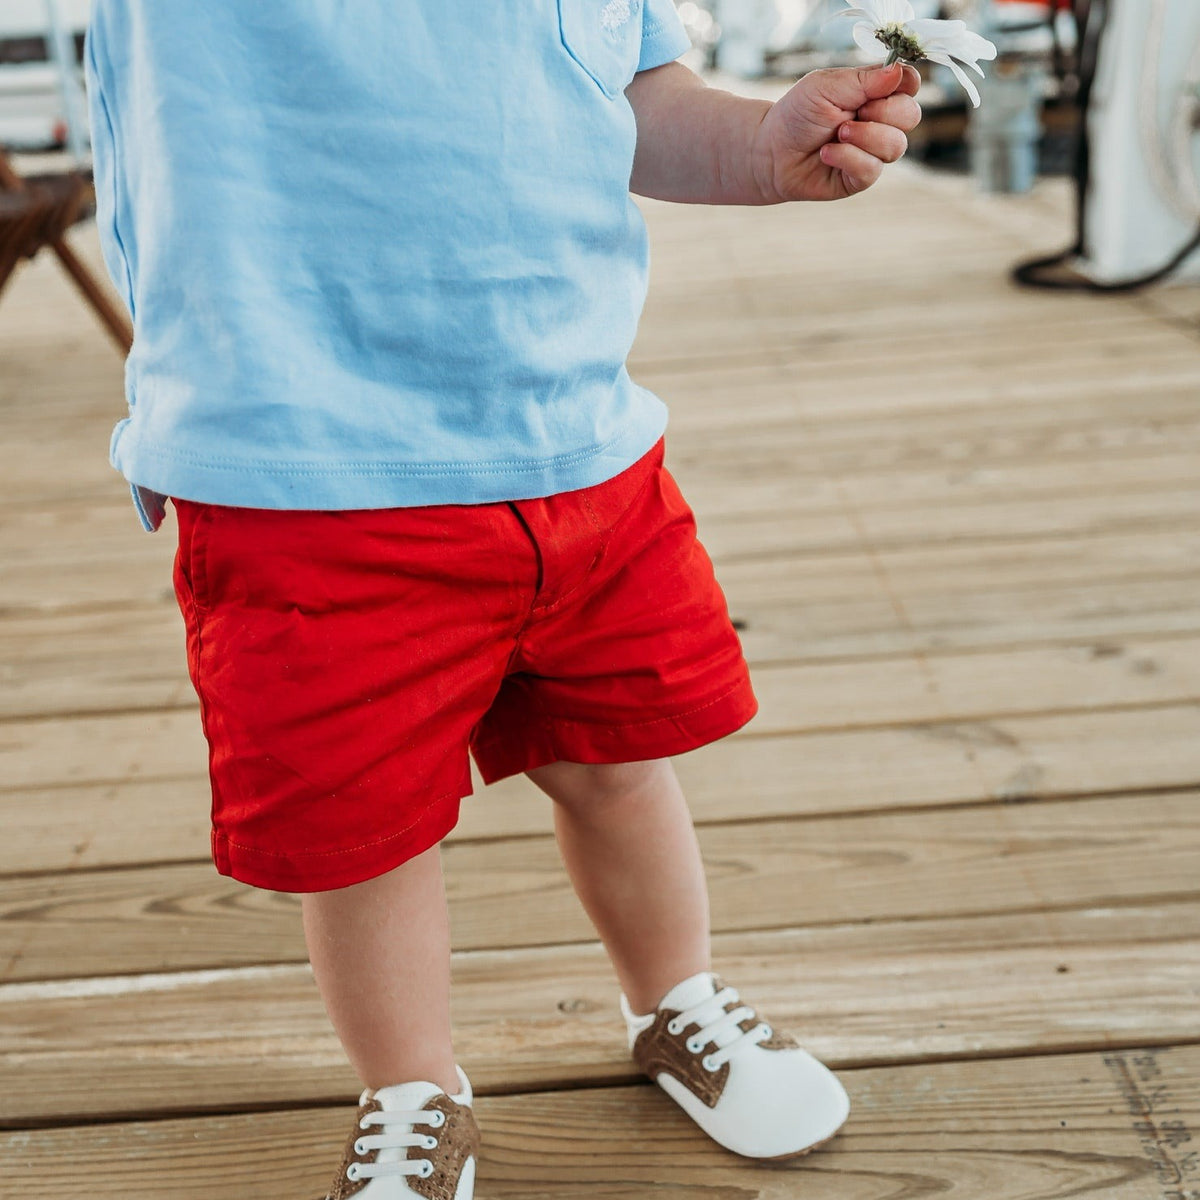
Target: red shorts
(346, 661)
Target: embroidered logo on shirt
(614, 14)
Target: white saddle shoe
(412, 1142)
(753, 1090)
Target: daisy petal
(898, 11)
(978, 46)
(953, 37)
(926, 29)
(864, 35)
(968, 48)
(962, 78)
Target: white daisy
(888, 29)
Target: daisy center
(901, 43)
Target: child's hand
(829, 137)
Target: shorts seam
(552, 721)
(198, 547)
(537, 612)
(691, 712)
(307, 854)
(604, 537)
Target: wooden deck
(958, 852)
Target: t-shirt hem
(156, 473)
(662, 44)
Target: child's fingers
(849, 88)
(910, 81)
(885, 142)
(901, 111)
(860, 168)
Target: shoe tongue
(402, 1097)
(691, 991)
(696, 990)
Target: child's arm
(699, 145)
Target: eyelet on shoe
(674, 1027)
(707, 1063)
(694, 1046)
(437, 1118)
(352, 1172)
(430, 1142)
(359, 1148)
(426, 1168)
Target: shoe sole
(794, 1154)
(752, 1157)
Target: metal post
(746, 28)
(62, 51)
(1003, 133)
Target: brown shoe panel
(658, 1050)
(342, 1187)
(458, 1139)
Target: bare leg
(627, 839)
(381, 954)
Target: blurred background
(1106, 93)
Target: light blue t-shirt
(377, 253)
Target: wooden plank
(135, 658)
(785, 530)
(859, 626)
(860, 994)
(699, 387)
(776, 498)
(84, 396)
(1177, 305)
(1005, 682)
(954, 570)
(732, 322)
(766, 465)
(770, 401)
(761, 875)
(94, 663)
(107, 791)
(1119, 1125)
(771, 478)
(768, 392)
(831, 540)
(941, 584)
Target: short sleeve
(664, 38)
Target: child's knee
(591, 785)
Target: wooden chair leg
(112, 317)
(20, 220)
(64, 199)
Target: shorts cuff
(511, 752)
(325, 871)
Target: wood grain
(531, 1019)
(761, 875)
(118, 790)
(99, 663)
(1009, 1129)
(961, 528)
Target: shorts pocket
(191, 562)
(605, 38)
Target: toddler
(384, 271)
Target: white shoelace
(399, 1139)
(715, 1023)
